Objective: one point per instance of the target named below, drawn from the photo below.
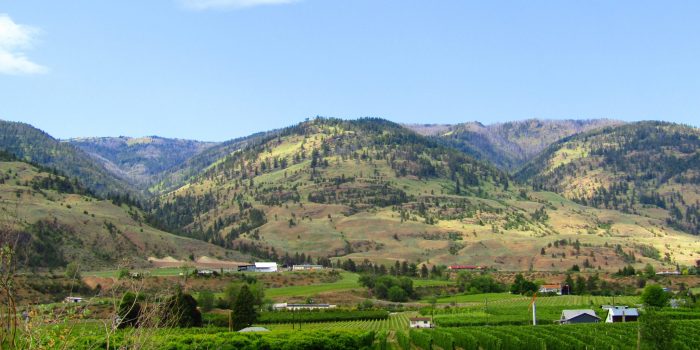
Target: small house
(668, 273)
(622, 314)
(205, 273)
(550, 288)
(306, 267)
(73, 300)
(578, 316)
(290, 307)
(265, 267)
(464, 267)
(420, 322)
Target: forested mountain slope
(646, 168)
(31, 144)
(142, 161)
(509, 145)
(372, 189)
(58, 221)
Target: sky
(219, 69)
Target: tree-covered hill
(647, 168)
(187, 170)
(508, 145)
(142, 161)
(352, 166)
(58, 221)
(33, 145)
(372, 189)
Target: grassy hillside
(59, 222)
(509, 145)
(142, 161)
(371, 189)
(33, 145)
(181, 173)
(646, 168)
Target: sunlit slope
(371, 189)
(61, 222)
(647, 168)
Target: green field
(347, 281)
(165, 271)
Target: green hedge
(221, 320)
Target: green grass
(431, 283)
(480, 298)
(348, 281)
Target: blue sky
(218, 69)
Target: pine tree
(244, 313)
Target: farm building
(244, 268)
(622, 314)
(286, 306)
(578, 316)
(73, 300)
(550, 288)
(420, 322)
(666, 273)
(265, 267)
(306, 267)
(205, 273)
(464, 267)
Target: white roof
(265, 264)
(569, 314)
(254, 329)
(627, 312)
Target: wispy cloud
(14, 39)
(230, 4)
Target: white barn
(265, 267)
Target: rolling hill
(58, 221)
(30, 144)
(372, 189)
(646, 168)
(141, 161)
(508, 145)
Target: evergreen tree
(244, 313)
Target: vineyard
(398, 321)
(507, 299)
(549, 337)
(516, 310)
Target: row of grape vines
(550, 337)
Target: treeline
(397, 269)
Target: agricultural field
(508, 299)
(348, 281)
(551, 337)
(395, 322)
